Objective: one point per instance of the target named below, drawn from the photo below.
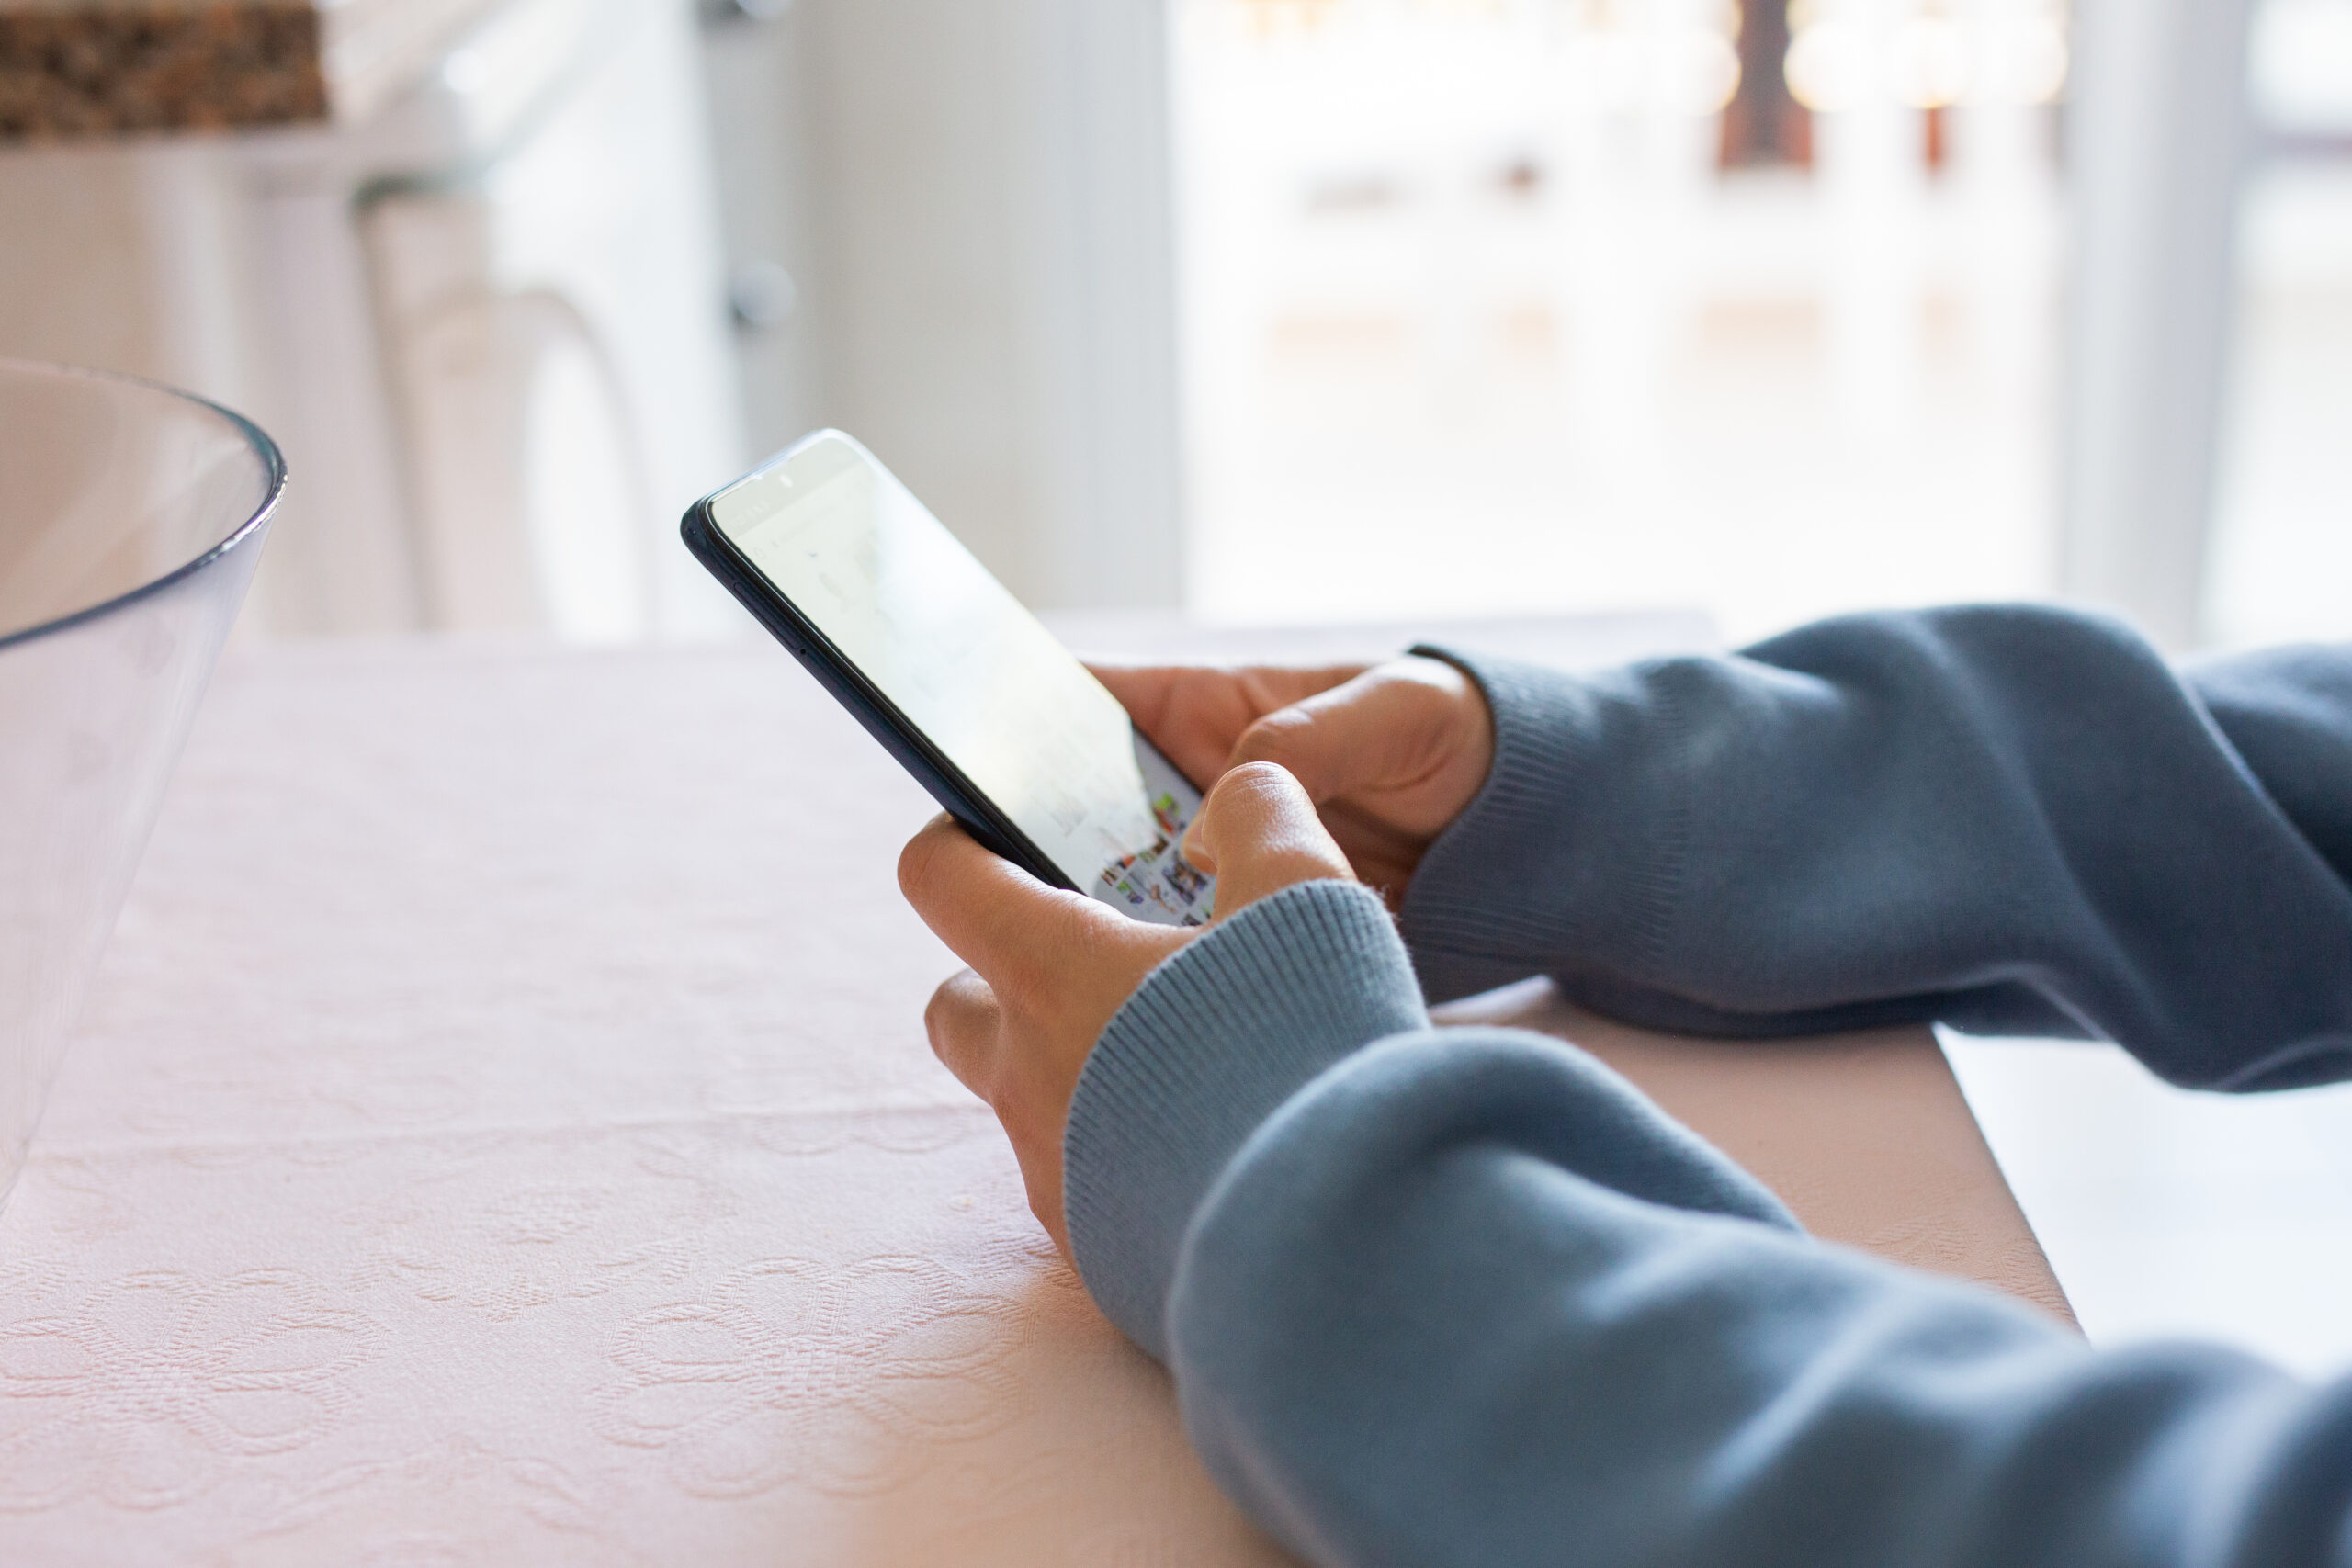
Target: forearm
(2011, 819)
(1437, 1296)
(1413, 1322)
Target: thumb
(1385, 727)
(1258, 833)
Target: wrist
(1547, 860)
(1209, 1046)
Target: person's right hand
(1390, 754)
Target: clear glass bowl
(130, 517)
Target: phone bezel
(881, 719)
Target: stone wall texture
(83, 71)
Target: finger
(1195, 713)
(1258, 833)
(965, 1023)
(993, 915)
(1384, 728)
(1149, 691)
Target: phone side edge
(875, 713)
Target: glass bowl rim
(273, 464)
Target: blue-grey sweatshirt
(1440, 1297)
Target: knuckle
(1273, 737)
(1440, 688)
(961, 1013)
(919, 860)
(939, 1013)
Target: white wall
(986, 261)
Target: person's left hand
(1049, 967)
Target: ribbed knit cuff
(1473, 915)
(1212, 1042)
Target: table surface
(504, 1132)
(2168, 1213)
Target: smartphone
(1012, 735)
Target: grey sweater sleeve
(1437, 1296)
(1463, 1296)
(2011, 819)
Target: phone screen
(896, 594)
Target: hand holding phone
(1028, 752)
(1390, 753)
(1049, 969)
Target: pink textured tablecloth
(503, 1134)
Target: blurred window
(1515, 305)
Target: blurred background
(1256, 310)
